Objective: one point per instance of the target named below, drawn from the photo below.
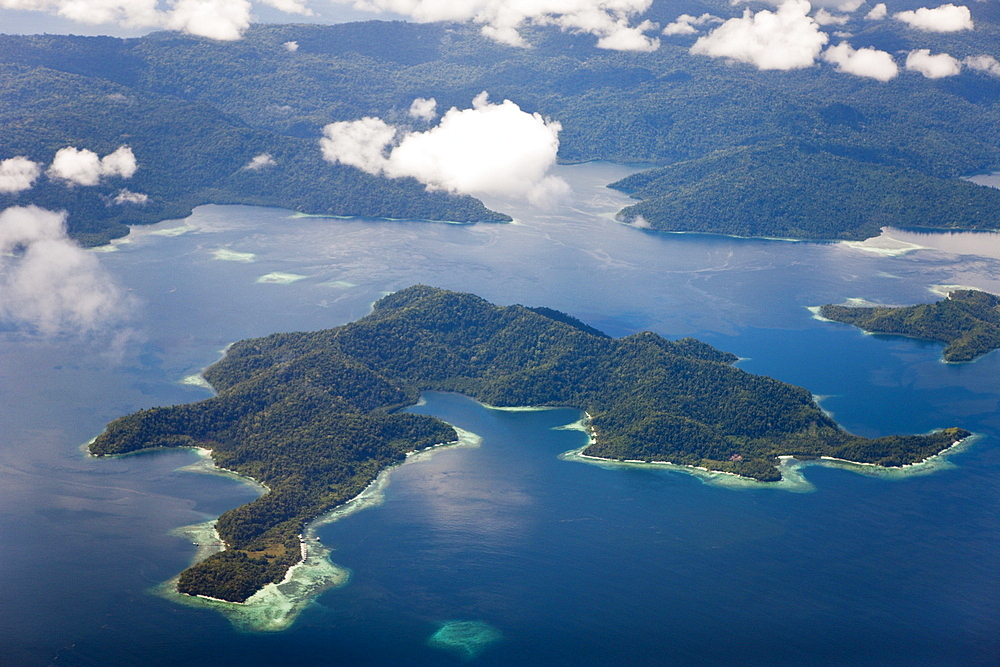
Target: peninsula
(967, 321)
(316, 416)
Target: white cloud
(847, 5)
(84, 167)
(823, 17)
(501, 20)
(223, 20)
(866, 61)
(358, 143)
(48, 282)
(685, 24)
(291, 47)
(786, 39)
(290, 7)
(878, 12)
(126, 196)
(215, 19)
(946, 18)
(933, 67)
(488, 150)
(422, 109)
(260, 161)
(987, 64)
(18, 173)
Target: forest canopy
(316, 416)
(967, 321)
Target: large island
(316, 416)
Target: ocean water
(504, 554)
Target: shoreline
(790, 467)
(276, 606)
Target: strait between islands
(315, 417)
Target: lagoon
(526, 558)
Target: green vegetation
(801, 192)
(811, 153)
(314, 416)
(968, 322)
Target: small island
(967, 321)
(315, 417)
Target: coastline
(276, 606)
(792, 477)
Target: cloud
(933, 67)
(290, 7)
(291, 47)
(18, 173)
(84, 167)
(422, 109)
(946, 18)
(501, 20)
(215, 19)
(878, 12)
(358, 143)
(862, 62)
(126, 196)
(823, 17)
(49, 283)
(987, 64)
(488, 150)
(260, 161)
(786, 39)
(685, 24)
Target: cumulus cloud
(609, 20)
(260, 161)
(422, 109)
(862, 62)
(48, 282)
(987, 64)
(878, 12)
(946, 18)
(685, 24)
(290, 7)
(18, 173)
(786, 39)
(291, 47)
(84, 167)
(358, 143)
(215, 19)
(488, 150)
(823, 17)
(126, 196)
(937, 66)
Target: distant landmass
(812, 153)
(315, 416)
(967, 321)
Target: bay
(557, 562)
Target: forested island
(316, 416)
(811, 153)
(967, 321)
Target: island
(316, 416)
(806, 154)
(967, 321)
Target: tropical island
(967, 321)
(316, 416)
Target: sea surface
(503, 554)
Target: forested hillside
(810, 153)
(313, 416)
(968, 322)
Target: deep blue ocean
(547, 562)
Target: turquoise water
(516, 556)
